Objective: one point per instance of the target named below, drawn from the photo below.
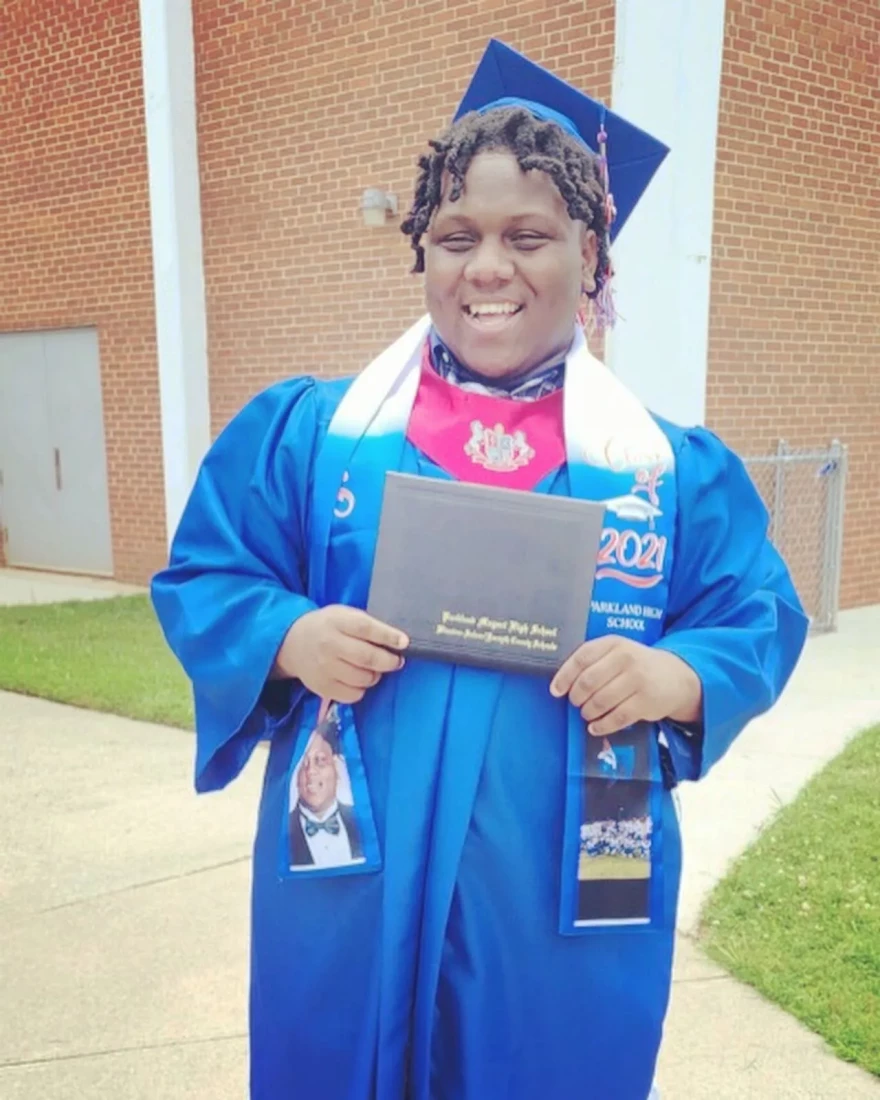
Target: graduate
(451, 961)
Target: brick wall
(75, 230)
(301, 107)
(795, 314)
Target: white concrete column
(667, 76)
(175, 210)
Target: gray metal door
(27, 491)
(54, 503)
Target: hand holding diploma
(615, 682)
(340, 652)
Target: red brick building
(301, 106)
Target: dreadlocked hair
(539, 145)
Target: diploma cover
(477, 575)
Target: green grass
(612, 868)
(106, 655)
(798, 917)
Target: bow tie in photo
(331, 825)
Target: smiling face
(505, 265)
(317, 779)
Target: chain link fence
(804, 491)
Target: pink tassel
(603, 304)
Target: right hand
(339, 652)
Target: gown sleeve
(237, 576)
(734, 615)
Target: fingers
(349, 653)
(604, 700)
(597, 679)
(583, 658)
(601, 679)
(352, 677)
(344, 693)
(622, 716)
(364, 655)
(358, 624)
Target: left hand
(615, 682)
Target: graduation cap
(504, 78)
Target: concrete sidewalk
(123, 902)
(124, 909)
(24, 586)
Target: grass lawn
(798, 917)
(105, 655)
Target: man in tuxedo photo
(323, 830)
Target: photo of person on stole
(323, 828)
(456, 946)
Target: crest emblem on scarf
(496, 449)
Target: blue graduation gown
(444, 975)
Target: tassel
(603, 304)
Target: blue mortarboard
(504, 78)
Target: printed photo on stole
(330, 827)
(612, 858)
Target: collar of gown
(544, 379)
